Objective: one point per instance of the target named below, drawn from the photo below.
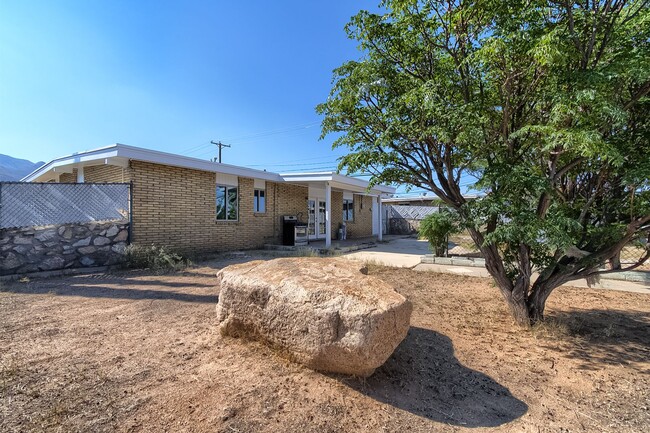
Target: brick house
(197, 205)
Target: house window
(260, 201)
(348, 209)
(227, 203)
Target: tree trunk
(538, 296)
(519, 311)
(536, 310)
(526, 303)
(526, 312)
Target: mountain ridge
(14, 169)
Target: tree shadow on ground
(93, 290)
(146, 282)
(424, 377)
(605, 336)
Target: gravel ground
(140, 352)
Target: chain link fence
(405, 219)
(25, 204)
(461, 244)
(630, 255)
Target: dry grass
(139, 352)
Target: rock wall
(48, 248)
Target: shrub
(436, 228)
(154, 257)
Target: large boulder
(324, 313)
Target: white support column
(80, 174)
(328, 215)
(380, 233)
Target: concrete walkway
(624, 286)
(407, 252)
(397, 251)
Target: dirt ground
(140, 352)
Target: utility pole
(221, 145)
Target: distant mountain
(16, 169)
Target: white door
(316, 221)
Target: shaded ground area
(138, 352)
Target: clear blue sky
(172, 75)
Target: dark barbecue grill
(293, 231)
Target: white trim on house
(120, 154)
(338, 181)
(330, 180)
(419, 198)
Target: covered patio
(321, 189)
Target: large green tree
(542, 104)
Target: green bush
(436, 228)
(154, 257)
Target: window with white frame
(227, 203)
(348, 209)
(260, 201)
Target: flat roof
(423, 198)
(122, 151)
(338, 181)
(120, 154)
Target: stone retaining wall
(48, 248)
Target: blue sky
(172, 75)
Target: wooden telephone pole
(221, 145)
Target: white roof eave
(339, 181)
(124, 153)
(153, 156)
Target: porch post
(80, 174)
(328, 215)
(380, 234)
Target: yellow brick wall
(176, 207)
(106, 173)
(68, 177)
(99, 173)
(361, 227)
(291, 200)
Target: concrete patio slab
(403, 252)
(408, 251)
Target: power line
(257, 141)
(315, 164)
(292, 160)
(265, 133)
(273, 131)
(194, 148)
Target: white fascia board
(360, 183)
(92, 155)
(339, 181)
(120, 151)
(165, 158)
(307, 177)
